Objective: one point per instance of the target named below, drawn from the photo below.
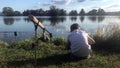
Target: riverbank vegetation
(55, 11)
(106, 52)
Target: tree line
(53, 11)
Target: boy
(79, 42)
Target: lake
(20, 27)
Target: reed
(108, 39)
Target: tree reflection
(82, 18)
(92, 18)
(17, 19)
(101, 18)
(42, 19)
(26, 19)
(56, 20)
(73, 18)
(96, 18)
(53, 20)
(8, 21)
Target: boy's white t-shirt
(79, 43)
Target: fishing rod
(44, 38)
(36, 21)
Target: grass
(107, 39)
(106, 53)
(55, 58)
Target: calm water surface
(57, 26)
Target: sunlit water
(59, 26)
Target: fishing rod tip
(30, 17)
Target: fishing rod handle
(36, 21)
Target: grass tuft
(107, 39)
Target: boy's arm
(91, 40)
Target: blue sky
(87, 5)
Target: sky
(87, 5)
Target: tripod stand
(44, 38)
(34, 45)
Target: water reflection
(43, 19)
(82, 18)
(100, 18)
(61, 24)
(56, 20)
(26, 19)
(92, 18)
(73, 18)
(53, 20)
(96, 18)
(8, 21)
(17, 19)
(13, 36)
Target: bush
(59, 41)
(25, 44)
(3, 44)
(107, 39)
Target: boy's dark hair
(74, 26)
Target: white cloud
(38, 3)
(92, 0)
(95, 7)
(114, 7)
(111, 7)
(46, 4)
(81, 0)
(60, 2)
(99, 0)
(68, 1)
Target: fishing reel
(46, 36)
